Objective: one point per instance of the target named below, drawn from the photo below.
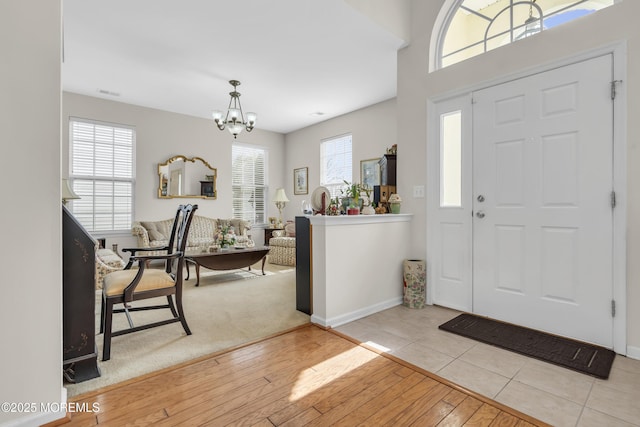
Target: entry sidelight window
(451, 159)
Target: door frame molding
(618, 50)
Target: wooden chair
(129, 285)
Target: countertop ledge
(359, 219)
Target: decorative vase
(395, 208)
(415, 283)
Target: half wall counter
(356, 265)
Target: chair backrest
(179, 233)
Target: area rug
(579, 356)
(227, 309)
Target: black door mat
(582, 357)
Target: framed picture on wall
(370, 172)
(300, 181)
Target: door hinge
(613, 88)
(613, 308)
(613, 199)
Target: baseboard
(57, 414)
(355, 315)
(633, 352)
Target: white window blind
(249, 183)
(102, 174)
(335, 163)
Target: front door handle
(480, 214)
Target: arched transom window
(473, 27)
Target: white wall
(161, 135)
(373, 130)
(416, 85)
(357, 265)
(31, 314)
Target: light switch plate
(418, 191)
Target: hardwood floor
(308, 376)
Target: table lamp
(280, 200)
(67, 192)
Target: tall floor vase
(415, 283)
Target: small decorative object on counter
(367, 209)
(306, 208)
(334, 207)
(394, 203)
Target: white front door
(542, 213)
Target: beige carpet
(226, 310)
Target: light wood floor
(308, 376)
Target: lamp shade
(280, 196)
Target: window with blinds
(335, 163)
(102, 174)
(249, 183)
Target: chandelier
(234, 120)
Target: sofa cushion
(285, 242)
(153, 230)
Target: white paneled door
(542, 225)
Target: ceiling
(294, 58)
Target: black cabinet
(79, 352)
(387, 169)
(303, 264)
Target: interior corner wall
(31, 315)
(373, 130)
(161, 135)
(416, 86)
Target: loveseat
(201, 233)
(107, 262)
(282, 246)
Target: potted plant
(352, 192)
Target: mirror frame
(192, 160)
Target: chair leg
(108, 318)
(102, 315)
(183, 320)
(171, 306)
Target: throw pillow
(152, 230)
(290, 229)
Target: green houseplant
(352, 193)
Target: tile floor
(552, 394)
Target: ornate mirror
(181, 176)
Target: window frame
(264, 186)
(336, 188)
(75, 179)
(450, 9)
